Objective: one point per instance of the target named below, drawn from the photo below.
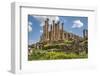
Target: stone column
(51, 33)
(58, 31)
(62, 31)
(85, 33)
(46, 27)
(53, 30)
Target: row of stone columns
(56, 32)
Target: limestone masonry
(55, 32)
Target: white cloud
(42, 19)
(77, 24)
(41, 31)
(29, 26)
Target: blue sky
(74, 24)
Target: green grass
(44, 55)
(56, 50)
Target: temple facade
(55, 32)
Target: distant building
(55, 32)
